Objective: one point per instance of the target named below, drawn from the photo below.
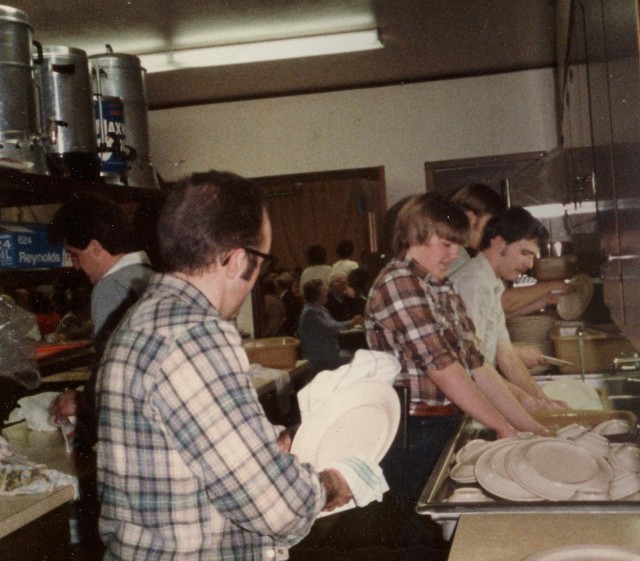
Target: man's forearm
(454, 382)
(528, 299)
(514, 370)
(499, 394)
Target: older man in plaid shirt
(189, 467)
(415, 313)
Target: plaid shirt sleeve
(399, 313)
(425, 326)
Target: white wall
(398, 127)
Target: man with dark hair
(345, 264)
(318, 268)
(415, 313)
(509, 244)
(189, 466)
(97, 236)
(480, 203)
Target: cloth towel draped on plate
(366, 364)
(364, 476)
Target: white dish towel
(366, 364)
(364, 476)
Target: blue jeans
(407, 471)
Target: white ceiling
(424, 40)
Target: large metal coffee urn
(67, 113)
(20, 145)
(121, 115)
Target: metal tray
(440, 486)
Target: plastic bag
(17, 348)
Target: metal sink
(623, 389)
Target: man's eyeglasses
(268, 260)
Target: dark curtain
(319, 212)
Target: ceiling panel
(424, 40)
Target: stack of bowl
(533, 330)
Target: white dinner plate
(576, 393)
(492, 475)
(358, 420)
(554, 468)
(585, 552)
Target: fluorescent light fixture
(557, 210)
(278, 49)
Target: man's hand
(64, 406)
(285, 438)
(336, 488)
(530, 355)
(356, 320)
(506, 431)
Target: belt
(424, 410)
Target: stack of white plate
(575, 465)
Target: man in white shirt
(508, 247)
(318, 268)
(345, 264)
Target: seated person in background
(345, 264)
(414, 312)
(292, 304)
(509, 244)
(318, 331)
(318, 268)
(274, 312)
(341, 303)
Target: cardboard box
(273, 352)
(26, 246)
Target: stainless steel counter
(623, 391)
